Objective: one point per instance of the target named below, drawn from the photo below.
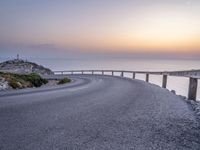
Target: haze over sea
(132, 64)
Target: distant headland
(21, 66)
(19, 74)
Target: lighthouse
(17, 56)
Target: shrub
(23, 81)
(63, 81)
(36, 79)
(13, 83)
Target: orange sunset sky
(100, 26)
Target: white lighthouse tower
(17, 56)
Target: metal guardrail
(193, 80)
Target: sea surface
(179, 84)
(119, 64)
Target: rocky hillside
(20, 81)
(23, 67)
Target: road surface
(97, 112)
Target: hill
(20, 66)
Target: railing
(193, 80)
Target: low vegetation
(63, 81)
(19, 81)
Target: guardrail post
(133, 75)
(147, 77)
(92, 72)
(102, 72)
(82, 72)
(122, 74)
(71, 72)
(192, 91)
(61, 72)
(112, 73)
(164, 81)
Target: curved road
(97, 112)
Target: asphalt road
(97, 113)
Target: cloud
(41, 46)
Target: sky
(58, 28)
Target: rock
(19, 85)
(23, 67)
(197, 109)
(173, 91)
(3, 84)
(183, 97)
(192, 102)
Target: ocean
(119, 64)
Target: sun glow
(160, 30)
(102, 26)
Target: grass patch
(17, 81)
(65, 80)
